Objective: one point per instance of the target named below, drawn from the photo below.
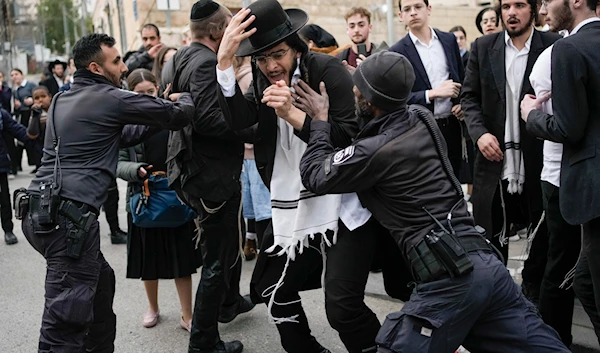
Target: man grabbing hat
(294, 246)
(398, 165)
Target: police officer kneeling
(399, 167)
(86, 127)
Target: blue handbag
(157, 206)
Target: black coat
(11, 129)
(406, 47)
(484, 104)
(51, 84)
(205, 158)
(576, 122)
(244, 111)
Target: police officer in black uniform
(86, 127)
(399, 167)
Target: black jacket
(391, 180)
(205, 158)
(245, 111)
(139, 60)
(90, 121)
(483, 101)
(576, 122)
(11, 129)
(406, 47)
(51, 84)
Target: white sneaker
(515, 237)
(11, 176)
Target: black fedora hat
(273, 26)
(56, 62)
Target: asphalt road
(22, 272)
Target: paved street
(22, 273)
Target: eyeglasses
(275, 56)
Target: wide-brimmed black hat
(56, 62)
(273, 26)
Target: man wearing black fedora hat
(56, 80)
(204, 167)
(294, 243)
(400, 169)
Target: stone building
(329, 14)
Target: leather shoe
(10, 238)
(243, 306)
(221, 347)
(118, 237)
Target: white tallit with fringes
(297, 214)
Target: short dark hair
(152, 26)
(400, 4)
(458, 29)
(41, 88)
(532, 5)
(138, 76)
(89, 49)
(17, 70)
(593, 4)
(358, 11)
(212, 27)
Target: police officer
(399, 167)
(80, 158)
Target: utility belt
(81, 215)
(442, 254)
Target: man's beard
(364, 111)
(115, 79)
(360, 41)
(292, 70)
(564, 18)
(521, 31)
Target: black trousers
(78, 314)
(5, 208)
(587, 277)
(564, 244)
(348, 265)
(220, 277)
(295, 337)
(450, 128)
(517, 210)
(111, 206)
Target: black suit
(576, 124)
(449, 126)
(484, 104)
(51, 84)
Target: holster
(442, 254)
(20, 202)
(82, 219)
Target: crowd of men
(363, 150)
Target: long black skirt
(161, 253)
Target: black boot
(243, 305)
(10, 238)
(118, 237)
(221, 347)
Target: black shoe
(10, 238)
(228, 314)
(118, 237)
(221, 347)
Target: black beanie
(385, 79)
(203, 9)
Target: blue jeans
(484, 311)
(256, 198)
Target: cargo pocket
(406, 332)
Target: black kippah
(203, 9)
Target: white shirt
(541, 81)
(352, 213)
(59, 81)
(434, 60)
(583, 23)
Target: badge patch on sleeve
(343, 155)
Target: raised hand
(234, 34)
(312, 103)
